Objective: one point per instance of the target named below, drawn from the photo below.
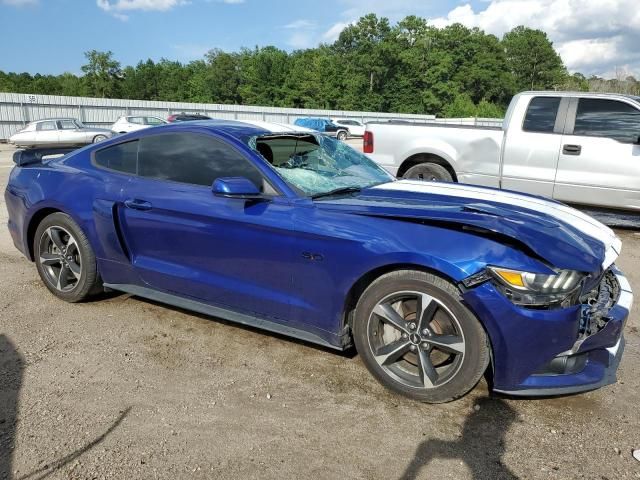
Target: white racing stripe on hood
(584, 223)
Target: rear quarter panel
(474, 153)
(57, 186)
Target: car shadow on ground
(11, 379)
(349, 352)
(480, 447)
(11, 368)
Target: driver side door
(182, 239)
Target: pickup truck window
(607, 118)
(541, 114)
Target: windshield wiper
(336, 191)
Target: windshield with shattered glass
(316, 164)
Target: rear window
(43, 126)
(122, 157)
(541, 115)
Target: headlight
(537, 289)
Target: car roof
(569, 93)
(54, 119)
(243, 128)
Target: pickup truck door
(530, 151)
(599, 161)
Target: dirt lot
(126, 388)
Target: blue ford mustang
(291, 231)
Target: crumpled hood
(563, 236)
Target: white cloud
(592, 36)
(303, 33)
(129, 5)
(19, 3)
(333, 33)
(302, 23)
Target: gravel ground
(126, 388)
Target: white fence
(18, 109)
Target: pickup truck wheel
(65, 260)
(342, 135)
(430, 172)
(418, 339)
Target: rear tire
(434, 356)
(430, 172)
(65, 260)
(99, 138)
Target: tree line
(408, 67)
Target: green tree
(365, 57)
(461, 107)
(263, 74)
(102, 73)
(532, 59)
(223, 76)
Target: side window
(136, 120)
(192, 158)
(67, 125)
(122, 157)
(153, 121)
(607, 118)
(541, 115)
(46, 126)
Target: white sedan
(59, 132)
(132, 123)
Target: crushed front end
(566, 348)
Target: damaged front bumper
(552, 352)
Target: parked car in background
(132, 123)
(186, 117)
(354, 127)
(64, 132)
(323, 125)
(578, 148)
(298, 233)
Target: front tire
(65, 260)
(418, 339)
(342, 135)
(430, 172)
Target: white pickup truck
(578, 148)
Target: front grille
(596, 305)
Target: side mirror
(236, 187)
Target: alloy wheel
(416, 339)
(60, 258)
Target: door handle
(137, 204)
(571, 149)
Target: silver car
(63, 132)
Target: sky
(49, 36)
